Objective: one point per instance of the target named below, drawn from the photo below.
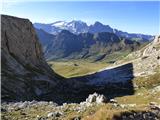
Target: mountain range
(97, 46)
(79, 26)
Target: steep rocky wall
(25, 74)
(146, 60)
(149, 60)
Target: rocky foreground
(87, 110)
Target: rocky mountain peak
(78, 27)
(98, 23)
(99, 27)
(77, 22)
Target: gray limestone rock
(24, 69)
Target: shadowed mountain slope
(25, 74)
(85, 45)
(112, 82)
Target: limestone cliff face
(150, 58)
(25, 74)
(152, 48)
(146, 60)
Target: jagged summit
(78, 26)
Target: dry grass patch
(76, 67)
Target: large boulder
(96, 98)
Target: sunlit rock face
(146, 60)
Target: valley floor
(130, 107)
(80, 67)
(74, 68)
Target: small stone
(54, 114)
(115, 105)
(144, 116)
(113, 101)
(42, 103)
(122, 106)
(23, 113)
(50, 103)
(75, 64)
(41, 118)
(3, 110)
(64, 104)
(152, 103)
(23, 105)
(50, 114)
(131, 105)
(77, 118)
(131, 116)
(32, 102)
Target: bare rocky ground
(146, 60)
(87, 110)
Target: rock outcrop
(146, 60)
(96, 98)
(25, 74)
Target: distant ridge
(78, 26)
(84, 45)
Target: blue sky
(134, 17)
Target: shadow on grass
(112, 82)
